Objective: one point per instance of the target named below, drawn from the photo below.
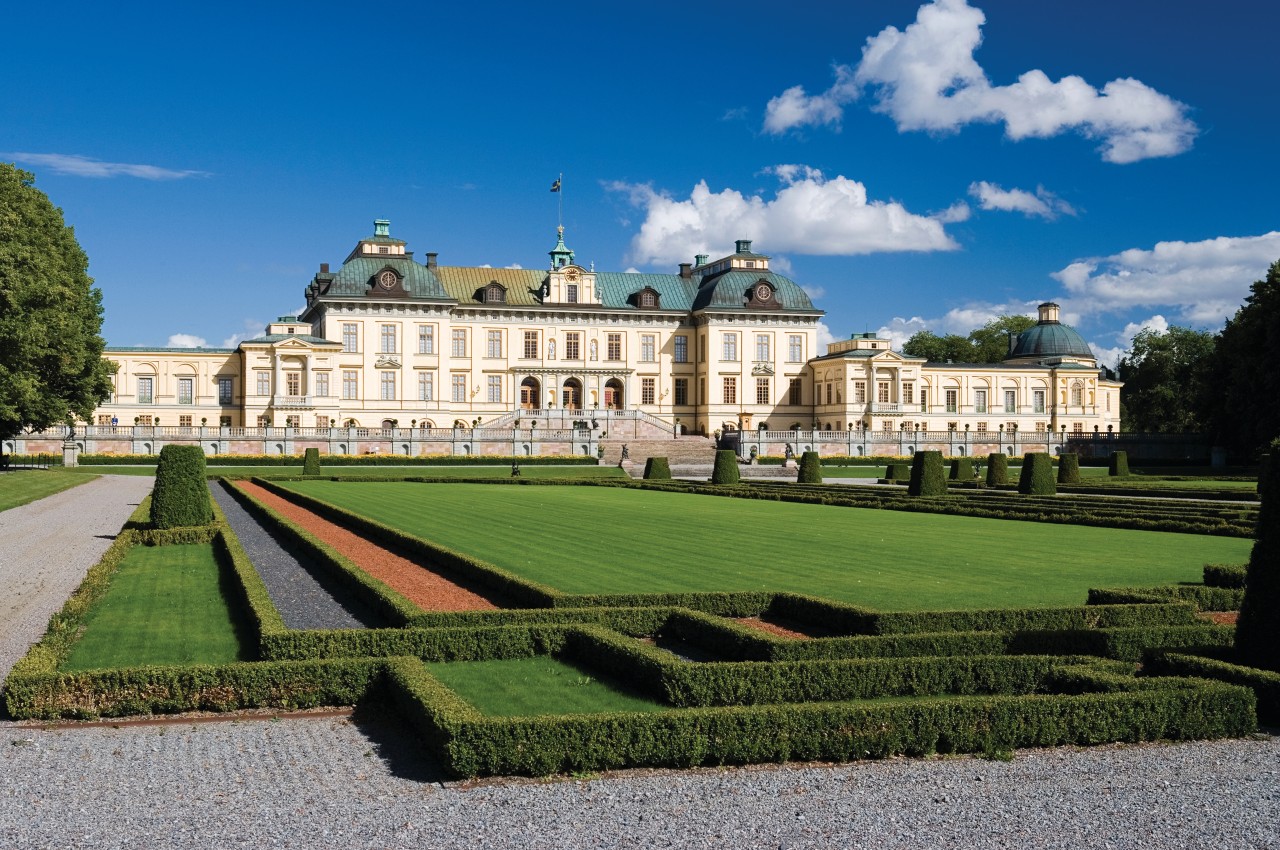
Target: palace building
(388, 343)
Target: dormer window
(495, 293)
(571, 293)
(648, 299)
(761, 295)
(383, 249)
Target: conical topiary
(181, 494)
(1119, 465)
(726, 468)
(898, 472)
(1037, 477)
(311, 462)
(1258, 627)
(1069, 468)
(928, 478)
(657, 469)
(997, 469)
(810, 469)
(961, 469)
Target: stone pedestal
(789, 463)
(70, 453)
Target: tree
(1258, 627)
(987, 344)
(1164, 376)
(1241, 399)
(51, 366)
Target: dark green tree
(51, 366)
(1164, 376)
(939, 349)
(1258, 627)
(810, 471)
(1241, 401)
(987, 344)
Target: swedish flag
(555, 187)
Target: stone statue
(791, 454)
(626, 453)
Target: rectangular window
(184, 421)
(1042, 426)
(762, 347)
(793, 391)
(859, 392)
(682, 348)
(979, 401)
(729, 350)
(495, 389)
(1037, 401)
(953, 401)
(828, 385)
(572, 348)
(458, 387)
(795, 348)
(702, 349)
(702, 389)
(388, 386)
(648, 390)
(908, 393)
(322, 422)
(1077, 428)
(293, 383)
(224, 421)
(730, 390)
(185, 386)
(426, 386)
(459, 342)
(350, 384)
(882, 392)
(292, 421)
(387, 337)
(530, 345)
(264, 383)
(426, 339)
(322, 383)
(571, 293)
(647, 346)
(613, 347)
(264, 421)
(350, 337)
(1010, 401)
(1077, 395)
(493, 344)
(681, 390)
(762, 390)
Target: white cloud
(1156, 323)
(957, 212)
(825, 337)
(514, 266)
(252, 328)
(1041, 202)
(631, 270)
(808, 215)
(186, 341)
(1204, 282)
(782, 266)
(75, 165)
(926, 78)
(958, 320)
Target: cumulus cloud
(1205, 282)
(252, 328)
(1109, 355)
(926, 78)
(957, 212)
(958, 320)
(810, 214)
(75, 165)
(825, 337)
(1041, 202)
(186, 341)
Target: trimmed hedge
(1204, 598)
(181, 494)
(311, 462)
(657, 469)
(927, 477)
(898, 472)
(726, 468)
(348, 460)
(1069, 468)
(961, 469)
(1037, 478)
(1118, 464)
(997, 469)
(1264, 683)
(810, 469)
(1225, 575)
(1258, 628)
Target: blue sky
(911, 165)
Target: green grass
(527, 687)
(606, 540)
(390, 472)
(165, 606)
(23, 486)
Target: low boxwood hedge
(1225, 575)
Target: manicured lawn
(382, 471)
(525, 687)
(26, 485)
(165, 606)
(606, 540)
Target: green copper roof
(273, 338)
(356, 275)
(728, 290)
(1051, 339)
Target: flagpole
(560, 201)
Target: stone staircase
(687, 451)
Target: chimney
(431, 259)
(686, 270)
(700, 260)
(324, 268)
(743, 246)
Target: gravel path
(304, 601)
(49, 545)
(331, 783)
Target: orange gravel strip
(428, 590)
(771, 628)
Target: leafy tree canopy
(1241, 396)
(1164, 375)
(987, 344)
(51, 366)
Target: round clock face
(763, 292)
(387, 280)
(571, 275)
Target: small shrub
(810, 469)
(962, 469)
(181, 495)
(1119, 464)
(1037, 477)
(997, 469)
(1069, 468)
(657, 469)
(927, 477)
(1258, 629)
(726, 468)
(1224, 575)
(311, 462)
(898, 472)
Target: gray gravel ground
(332, 783)
(303, 601)
(49, 545)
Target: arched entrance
(613, 394)
(571, 394)
(530, 393)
